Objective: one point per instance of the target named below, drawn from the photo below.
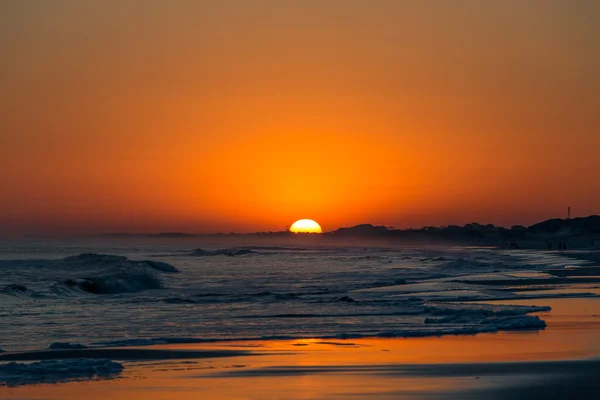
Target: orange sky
(247, 115)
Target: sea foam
(54, 371)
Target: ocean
(97, 293)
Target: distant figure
(560, 246)
(550, 246)
(564, 246)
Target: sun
(306, 226)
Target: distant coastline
(581, 232)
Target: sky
(219, 116)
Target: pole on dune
(568, 212)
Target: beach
(559, 362)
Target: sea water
(169, 291)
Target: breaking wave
(89, 273)
(16, 291)
(123, 282)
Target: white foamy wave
(485, 312)
(509, 322)
(53, 371)
(516, 322)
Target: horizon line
(182, 233)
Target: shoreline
(499, 365)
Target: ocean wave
(516, 322)
(65, 345)
(508, 322)
(160, 266)
(491, 325)
(481, 264)
(209, 298)
(88, 273)
(462, 263)
(223, 252)
(122, 282)
(108, 260)
(277, 296)
(211, 295)
(16, 291)
(130, 342)
(179, 300)
(485, 312)
(376, 284)
(93, 258)
(341, 315)
(54, 371)
(282, 248)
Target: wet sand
(560, 362)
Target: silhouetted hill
(576, 226)
(362, 230)
(539, 235)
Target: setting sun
(306, 226)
